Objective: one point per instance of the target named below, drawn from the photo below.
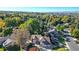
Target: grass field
(1, 49)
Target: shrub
(7, 31)
(13, 48)
(75, 33)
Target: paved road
(72, 45)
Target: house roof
(2, 39)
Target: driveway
(72, 45)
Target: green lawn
(1, 49)
(60, 49)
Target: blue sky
(40, 9)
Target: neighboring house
(66, 33)
(25, 19)
(45, 43)
(53, 33)
(2, 40)
(54, 36)
(33, 39)
(8, 42)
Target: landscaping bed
(1, 49)
(60, 49)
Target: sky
(40, 9)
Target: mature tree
(65, 19)
(10, 22)
(75, 33)
(20, 36)
(32, 25)
(76, 22)
(2, 27)
(72, 27)
(60, 27)
(2, 23)
(18, 20)
(7, 31)
(54, 20)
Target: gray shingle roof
(2, 39)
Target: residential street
(72, 45)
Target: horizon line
(41, 9)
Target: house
(42, 42)
(2, 40)
(54, 36)
(35, 39)
(25, 19)
(8, 42)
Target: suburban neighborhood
(38, 31)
